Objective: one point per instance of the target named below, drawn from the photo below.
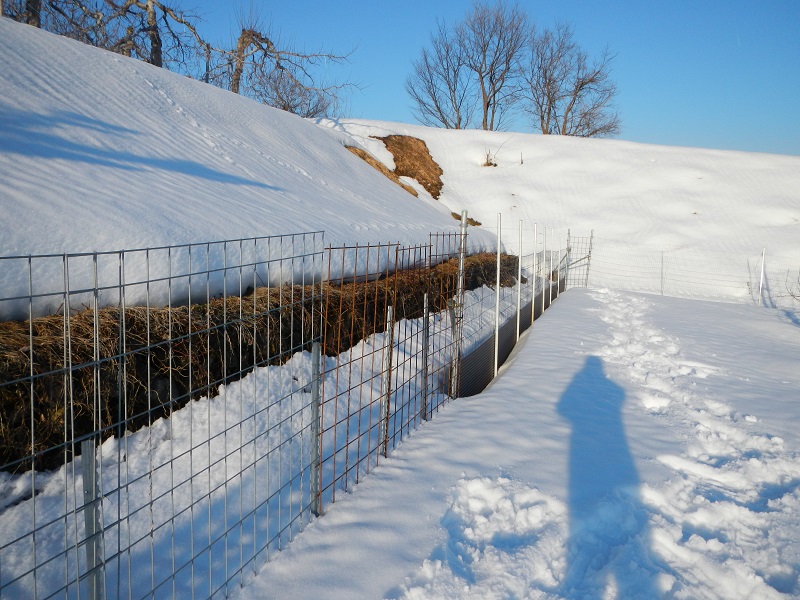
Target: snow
(659, 460)
(633, 446)
(663, 196)
(99, 152)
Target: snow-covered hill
(102, 152)
(669, 197)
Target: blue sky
(705, 73)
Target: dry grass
(413, 159)
(149, 363)
(375, 163)
(470, 221)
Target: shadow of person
(608, 544)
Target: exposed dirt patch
(373, 162)
(413, 159)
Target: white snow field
(635, 446)
(663, 196)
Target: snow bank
(99, 152)
(663, 196)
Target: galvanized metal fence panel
(390, 366)
(211, 399)
(148, 464)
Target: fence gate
(579, 258)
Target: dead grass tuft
(470, 221)
(375, 163)
(413, 159)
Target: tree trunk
(154, 35)
(33, 12)
(244, 41)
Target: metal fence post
(456, 308)
(589, 258)
(497, 301)
(386, 380)
(761, 281)
(91, 516)
(316, 430)
(545, 277)
(519, 283)
(426, 329)
(566, 261)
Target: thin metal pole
(426, 327)
(550, 276)
(545, 279)
(316, 431)
(519, 283)
(497, 301)
(386, 380)
(589, 258)
(535, 270)
(761, 282)
(100, 581)
(567, 259)
(457, 312)
(33, 417)
(91, 513)
(124, 347)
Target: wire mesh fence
(137, 458)
(757, 277)
(172, 417)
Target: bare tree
(260, 67)
(492, 38)
(440, 85)
(151, 30)
(162, 34)
(282, 90)
(24, 11)
(156, 32)
(33, 12)
(564, 92)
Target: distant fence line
(756, 277)
(176, 415)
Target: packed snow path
(634, 446)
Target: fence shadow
(608, 534)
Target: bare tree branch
(492, 38)
(566, 94)
(440, 86)
(280, 76)
(162, 34)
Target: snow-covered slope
(102, 152)
(647, 194)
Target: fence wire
(137, 459)
(758, 277)
(172, 417)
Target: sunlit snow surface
(634, 447)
